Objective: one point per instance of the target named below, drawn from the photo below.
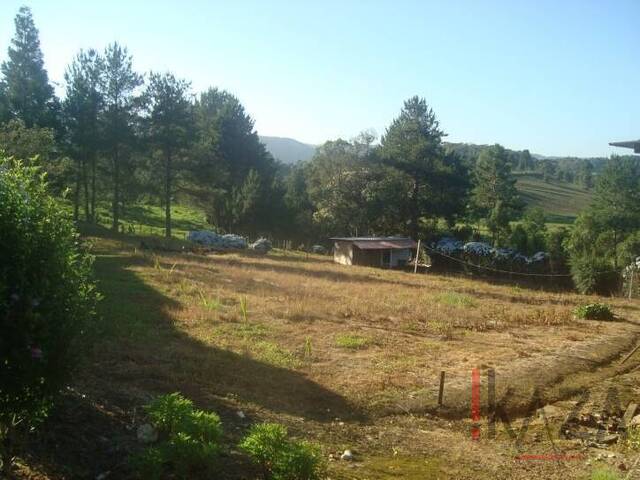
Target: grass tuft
(272, 354)
(455, 299)
(353, 342)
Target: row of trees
(578, 171)
(408, 183)
(606, 237)
(119, 136)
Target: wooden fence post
(441, 389)
(415, 264)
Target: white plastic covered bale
(216, 241)
(262, 245)
(449, 246)
(479, 249)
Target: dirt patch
(555, 375)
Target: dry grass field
(348, 357)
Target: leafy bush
(594, 311)
(558, 255)
(169, 413)
(594, 275)
(47, 300)
(189, 439)
(280, 458)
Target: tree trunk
(167, 196)
(93, 187)
(85, 186)
(116, 192)
(76, 195)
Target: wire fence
(496, 270)
(630, 286)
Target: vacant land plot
(346, 356)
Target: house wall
(343, 253)
(367, 258)
(346, 253)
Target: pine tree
(413, 145)
(226, 149)
(494, 195)
(170, 122)
(121, 105)
(28, 96)
(246, 206)
(81, 113)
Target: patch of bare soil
(553, 376)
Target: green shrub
(594, 311)
(189, 440)
(558, 255)
(265, 444)
(47, 300)
(169, 413)
(593, 275)
(280, 458)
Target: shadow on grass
(139, 354)
(154, 352)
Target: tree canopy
(26, 91)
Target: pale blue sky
(557, 77)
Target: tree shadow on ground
(140, 353)
(162, 354)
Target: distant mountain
(288, 150)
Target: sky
(558, 78)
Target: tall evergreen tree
(27, 94)
(585, 174)
(227, 148)
(297, 217)
(413, 145)
(170, 127)
(121, 105)
(82, 108)
(494, 194)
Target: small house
(385, 252)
